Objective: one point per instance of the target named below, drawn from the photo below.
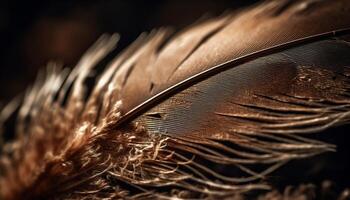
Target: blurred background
(32, 33)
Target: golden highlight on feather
(185, 116)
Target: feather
(207, 112)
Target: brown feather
(205, 113)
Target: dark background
(33, 33)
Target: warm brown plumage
(189, 115)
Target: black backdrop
(35, 32)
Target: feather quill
(188, 115)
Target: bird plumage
(207, 112)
